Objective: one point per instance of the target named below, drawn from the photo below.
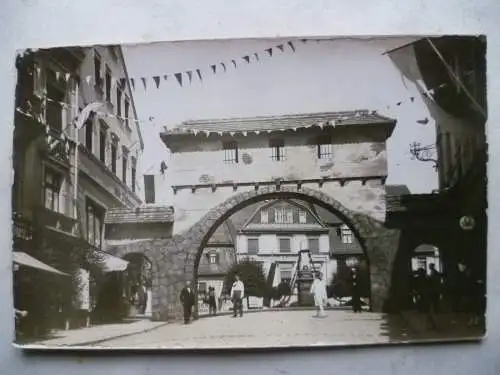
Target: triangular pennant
(256, 56)
(214, 68)
(198, 71)
(281, 47)
(179, 78)
(246, 58)
(132, 82)
(66, 77)
(224, 67)
(269, 51)
(291, 46)
(190, 75)
(143, 79)
(234, 63)
(157, 81)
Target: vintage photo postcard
(258, 193)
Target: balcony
(58, 148)
(22, 228)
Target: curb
(94, 342)
(336, 308)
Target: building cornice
(319, 181)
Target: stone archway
(175, 259)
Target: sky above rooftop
(336, 75)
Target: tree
(252, 275)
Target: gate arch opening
(362, 227)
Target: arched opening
(424, 256)
(137, 285)
(359, 227)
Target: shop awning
(26, 260)
(112, 263)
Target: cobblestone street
(273, 329)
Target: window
(286, 274)
(230, 152)
(89, 132)
(283, 216)
(102, 144)
(124, 165)
(95, 215)
(127, 110)
(285, 245)
(114, 148)
(38, 82)
(253, 245)
(52, 188)
(54, 109)
(212, 258)
(97, 70)
(133, 171)
(108, 84)
(264, 216)
(346, 234)
(313, 244)
(119, 95)
(202, 287)
(325, 148)
(302, 217)
(277, 149)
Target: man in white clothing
(237, 294)
(318, 290)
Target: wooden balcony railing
(21, 227)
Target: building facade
(276, 232)
(66, 178)
(450, 74)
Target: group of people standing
(188, 299)
(467, 294)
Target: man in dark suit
(187, 300)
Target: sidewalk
(97, 334)
(449, 326)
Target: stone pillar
(381, 248)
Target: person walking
(435, 286)
(187, 300)
(356, 291)
(212, 304)
(237, 294)
(318, 290)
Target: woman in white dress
(318, 290)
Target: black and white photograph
(250, 193)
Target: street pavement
(269, 329)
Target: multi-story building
(63, 181)
(275, 233)
(450, 73)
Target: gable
(283, 211)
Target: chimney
(149, 188)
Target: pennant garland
(179, 78)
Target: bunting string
(182, 78)
(151, 120)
